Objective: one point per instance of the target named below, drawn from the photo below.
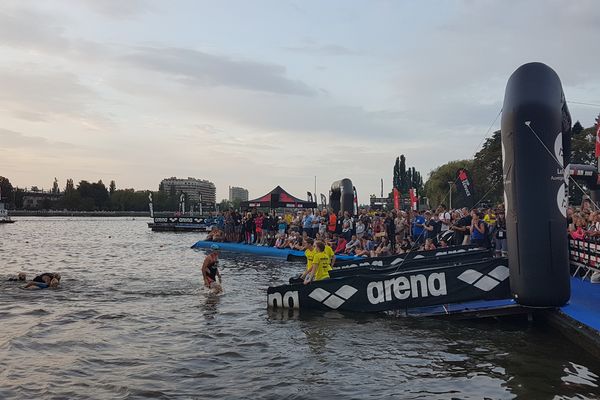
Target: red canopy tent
(278, 198)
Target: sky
(264, 93)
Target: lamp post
(450, 192)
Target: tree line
(91, 196)
(486, 169)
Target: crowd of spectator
(369, 233)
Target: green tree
(403, 178)
(112, 187)
(55, 189)
(486, 171)
(396, 181)
(6, 190)
(583, 147)
(437, 188)
(71, 199)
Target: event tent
(278, 198)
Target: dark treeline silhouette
(89, 196)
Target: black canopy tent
(278, 198)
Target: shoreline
(56, 213)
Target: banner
(393, 260)
(413, 198)
(484, 280)
(465, 190)
(439, 258)
(396, 199)
(184, 220)
(598, 141)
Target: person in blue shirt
(307, 223)
(418, 228)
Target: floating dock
(263, 251)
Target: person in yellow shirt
(331, 254)
(309, 252)
(490, 217)
(319, 269)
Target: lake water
(131, 320)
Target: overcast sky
(264, 93)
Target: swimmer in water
(210, 271)
(21, 277)
(34, 285)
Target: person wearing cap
(21, 277)
(210, 271)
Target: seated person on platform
(383, 249)
(279, 242)
(215, 235)
(341, 245)
(352, 245)
(429, 244)
(362, 249)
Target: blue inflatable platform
(263, 251)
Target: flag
(413, 198)
(396, 198)
(598, 140)
(465, 192)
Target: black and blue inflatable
(535, 133)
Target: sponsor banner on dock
(398, 259)
(182, 220)
(423, 287)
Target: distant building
(36, 199)
(238, 193)
(195, 189)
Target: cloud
(44, 32)
(208, 70)
(29, 28)
(41, 96)
(118, 8)
(16, 140)
(322, 50)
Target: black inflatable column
(341, 196)
(534, 119)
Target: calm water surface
(131, 320)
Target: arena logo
(403, 287)
(485, 282)
(333, 300)
(287, 300)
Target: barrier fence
(584, 255)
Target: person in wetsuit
(210, 271)
(46, 277)
(44, 281)
(21, 277)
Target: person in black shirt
(461, 227)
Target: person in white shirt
(444, 217)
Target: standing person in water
(210, 271)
